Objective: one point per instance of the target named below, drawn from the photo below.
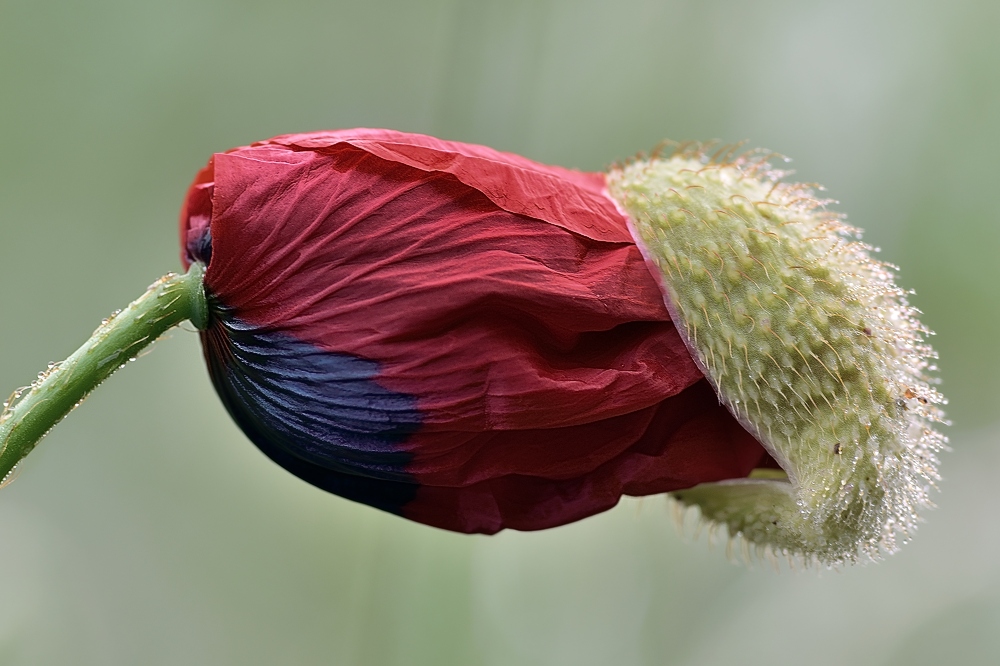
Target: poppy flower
(457, 335)
(476, 341)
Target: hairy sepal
(807, 341)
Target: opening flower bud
(476, 341)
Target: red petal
(506, 297)
(683, 441)
(568, 198)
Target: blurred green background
(147, 530)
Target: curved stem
(26, 419)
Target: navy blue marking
(320, 415)
(200, 247)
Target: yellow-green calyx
(807, 341)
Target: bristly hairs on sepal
(806, 339)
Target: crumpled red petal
(505, 298)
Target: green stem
(168, 301)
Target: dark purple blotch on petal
(199, 248)
(321, 415)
